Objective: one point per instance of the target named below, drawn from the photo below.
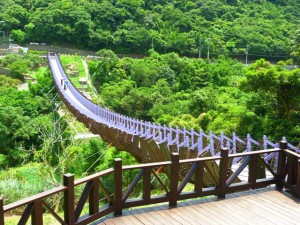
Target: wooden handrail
(33, 198)
(93, 176)
(295, 154)
(146, 165)
(222, 183)
(267, 151)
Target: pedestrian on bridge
(66, 84)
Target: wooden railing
(286, 175)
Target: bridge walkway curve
(146, 141)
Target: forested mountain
(165, 87)
(264, 27)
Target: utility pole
(3, 32)
(208, 47)
(152, 44)
(200, 46)
(247, 51)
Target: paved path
(88, 77)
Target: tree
(185, 121)
(137, 103)
(112, 94)
(101, 69)
(277, 84)
(144, 73)
(16, 133)
(165, 72)
(296, 47)
(7, 82)
(18, 36)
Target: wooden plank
(147, 154)
(141, 215)
(173, 148)
(120, 140)
(127, 220)
(164, 211)
(109, 222)
(203, 212)
(178, 215)
(228, 209)
(261, 206)
(104, 133)
(137, 151)
(271, 207)
(118, 143)
(283, 205)
(192, 154)
(239, 207)
(158, 216)
(165, 151)
(155, 149)
(259, 209)
(166, 156)
(183, 152)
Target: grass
(74, 124)
(75, 61)
(18, 182)
(48, 219)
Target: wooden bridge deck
(261, 206)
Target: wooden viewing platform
(263, 206)
(260, 206)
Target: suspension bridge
(146, 141)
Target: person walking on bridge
(66, 84)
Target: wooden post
(94, 197)
(37, 213)
(281, 164)
(147, 184)
(68, 181)
(118, 186)
(199, 177)
(297, 176)
(223, 171)
(290, 171)
(174, 177)
(253, 171)
(1, 212)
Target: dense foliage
(37, 145)
(20, 111)
(223, 96)
(267, 27)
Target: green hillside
(268, 28)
